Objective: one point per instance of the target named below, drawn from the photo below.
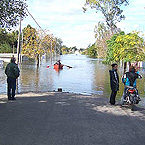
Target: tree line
(34, 42)
(112, 44)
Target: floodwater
(87, 76)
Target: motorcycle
(131, 97)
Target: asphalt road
(68, 119)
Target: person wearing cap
(114, 83)
(12, 71)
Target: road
(54, 118)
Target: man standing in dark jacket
(114, 83)
(12, 71)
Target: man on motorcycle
(129, 79)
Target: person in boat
(129, 79)
(59, 64)
(114, 83)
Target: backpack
(16, 72)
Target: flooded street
(87, 76)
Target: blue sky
(65, 19)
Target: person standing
(114, 83)
(12, 71)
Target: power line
(35, 20)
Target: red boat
(56, 66)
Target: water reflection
(87, 75)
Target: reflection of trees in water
(29, 78)
(101, 77)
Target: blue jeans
(11, 87)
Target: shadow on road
(68, 119)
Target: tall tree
(102, 33)
(10, 11)
(58, 45)
(110, 9)
(31, 43)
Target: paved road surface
(68, 119)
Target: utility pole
(18, 45)
(51, 39)
(21, 46)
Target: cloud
(134, 14)
(66, 20)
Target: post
(18, 45)
(51, 39)
(21, 47)
(18, 50)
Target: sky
(65, 19)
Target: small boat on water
(56, 66)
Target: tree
(5, 48)
(13, 36)
(111, 45)
(65, 49)
(48, 42)
(92, 51)
(58, 44)
(125, 48)
(110, 9)
(102, 33)
(10, 11)
(31, 43)
(8, 41)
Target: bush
(5, 48)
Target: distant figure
(12, 71)
(114, 83)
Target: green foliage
(8, 41)
(68, 50)
(10, 11)
(31, 43)
(125, 48)
(65, 49)
(111, 45)
(92, 51)
(5, 48)
(110, 10)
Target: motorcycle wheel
(137, 101)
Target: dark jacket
(114, 80)
(129, 78)
(12, 70)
